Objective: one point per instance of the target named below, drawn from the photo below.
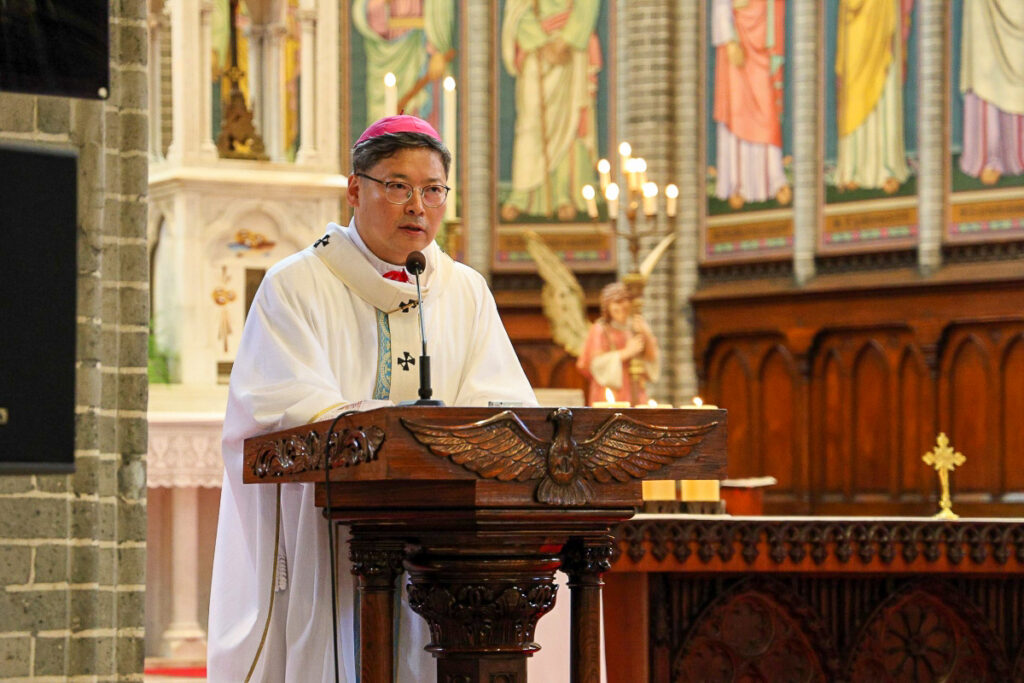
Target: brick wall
(72, 547)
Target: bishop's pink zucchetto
(401, 123)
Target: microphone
(416, 263)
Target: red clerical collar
(397, 275)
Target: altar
(708, 597)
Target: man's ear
(353, 190)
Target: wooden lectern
(481, 506)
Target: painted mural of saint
(749, 38)
(992, 83)
(551, 49)
(869, 93)
(413, 39)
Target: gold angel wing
(561, 297)
(500, 447)
(647, 267)
(624, 449)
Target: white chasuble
(326, 331)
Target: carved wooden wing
(500, 447)
(624, 449)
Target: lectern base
(476, 670)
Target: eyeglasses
(399, 193)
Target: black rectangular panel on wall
(58, 47)
(38, 276)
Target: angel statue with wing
(617, 351)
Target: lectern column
(482, 599)
(376, 565)
(584, 560)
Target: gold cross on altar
(944, 459)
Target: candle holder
(640, 202)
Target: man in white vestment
(328, 332)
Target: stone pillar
(257, 86)
(187, 71)
(307, 51)
(207, 147)
(272, 91)
(478, 219)
(807, 142)
(184, 637)
(647, 71)
(689, 170)
(933, 122)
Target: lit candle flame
(608, 395)
(697, 401)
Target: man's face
(392, 231)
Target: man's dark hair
(368, 153)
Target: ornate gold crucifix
(944, 459)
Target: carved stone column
(307, 52)
(376, 565)
(184, 637)
(207, 149)
(585, 560)
(482, 604)
(273, 95)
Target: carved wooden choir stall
(481, 506)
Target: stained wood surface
(838, 389)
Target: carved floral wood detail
(860, 599)
(751, 634)
(926, 633)
(295, 454)
(474, 616)
(819, 541)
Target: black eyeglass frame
(387, 188)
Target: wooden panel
(733, 393)
(833, 447)
(872, 467)
(967, 420)
(875, 367)
(849, 599)
(914, 431)
(1012, 404)
(776, 437)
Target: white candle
(588, 196)
(631, 175)
(604, 169)
(650, 199)
(625, 150)
(671, 197)
(659, 490)
(390, 94)
(611, 195)
(641, 169)
(699, 490)
(450, 134)
(699, 404)
(609, 401)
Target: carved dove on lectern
(503, 448)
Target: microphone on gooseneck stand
(416, 263)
